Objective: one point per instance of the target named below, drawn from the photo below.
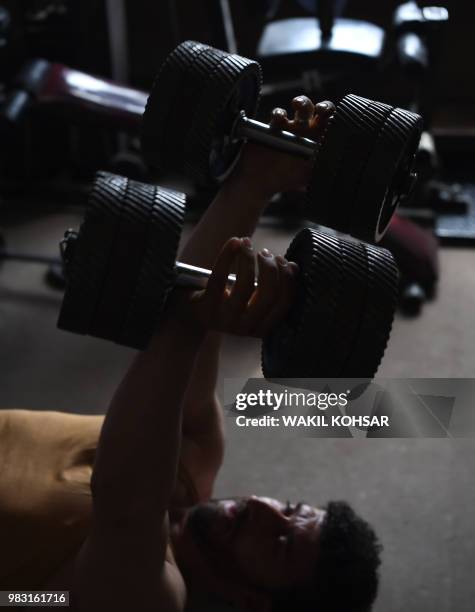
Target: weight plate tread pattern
(208, 75)
(166, 101)
(86, 272)
(176, 132)
(342, 191)
(362, 218)
(328, 160)
(377, 322)
(222, 83)
(126, 254)
(351, 135)
(165, 222)
(312, 342)
(345, 332)
(397, 132)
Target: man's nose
(263, 512)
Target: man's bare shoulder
(173, 588)
(168, 594)
(123, 571)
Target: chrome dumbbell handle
(195, 277)
(262, 133)
(189, 276)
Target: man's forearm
(136, 462)
(235, 211)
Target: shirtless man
(143, 533)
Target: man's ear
(250, 600)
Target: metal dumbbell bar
(186, 275)
(202, 110)
(255, 131)
(121, 267)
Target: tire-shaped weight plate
(353, 289)
(292, 350)
(192, 108)
(363, 167)
(376, 323)
(166, 212)
(168, 113)
(322, 337)
(87, 270)
(125, 260)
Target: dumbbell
(201, 111)
(121, 267)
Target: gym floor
(419, 494)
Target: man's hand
(266, 171)
(244, 309)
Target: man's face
(260, 540)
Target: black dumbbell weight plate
(194, 102)
(363, 166)
(125, 259)
(353, 295)
(322, 335)
(122, 282)
(340, 163)
(169, 110)
(166, 213)
(86, 270)
(305, 345)
(403, 129)
(376, 323)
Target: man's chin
(199, 522)
(210, 524)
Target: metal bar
(262, 133)
(326, 16)
(228, 26)
(118, 39)
(196, 278)
(119, 51)
(39, 259)
(216, 19)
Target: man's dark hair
(346, 574)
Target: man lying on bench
(144, 532)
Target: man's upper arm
(202, 450)
(126, 570)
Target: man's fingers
(217, 282)
(288, 272)
(325, 108)
(279, 119)
(245, 277)
(307, 116)
(266, 293)
(304, 110)
(323, 111)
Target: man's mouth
(211, 528)
(239, 513)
